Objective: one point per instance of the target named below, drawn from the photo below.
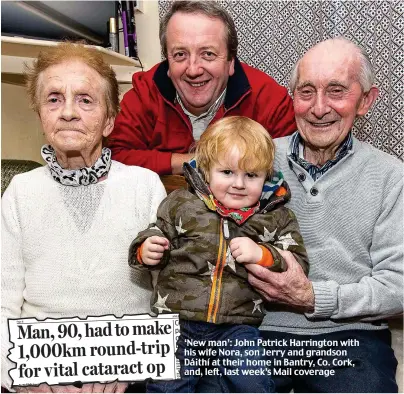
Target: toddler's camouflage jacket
(198, 278)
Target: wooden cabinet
(15, 51)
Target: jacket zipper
(217, 277)
(226, 233)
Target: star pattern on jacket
(286, 241)
(230, 260)
(257, 306)
(211, 270)
(160, 304)
(179, 228)
(267, 236)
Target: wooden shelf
(15, 51)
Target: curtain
(273, 35)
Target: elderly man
(201, 81)
(348, 199)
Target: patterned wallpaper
(273, 35)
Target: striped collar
(297, 148)
(211, 112)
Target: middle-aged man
(348, 199)
(170, 106)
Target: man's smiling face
(198, 59)
(328, 95)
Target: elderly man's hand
(290, 287)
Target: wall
(21, 131)
(147, 30)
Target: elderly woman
(66, 227)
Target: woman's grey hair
(68, 51)
(366, 75)
(209, 8)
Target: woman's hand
(42, 388)
(114, 387)
(245, 250)
(153, 249)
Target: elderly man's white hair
(366, 74)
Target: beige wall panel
(123, 88)
(147, 30)
(21, 132)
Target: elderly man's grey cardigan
(351, 220)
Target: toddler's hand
(153, 249)
(244, 250)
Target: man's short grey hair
(366, 75)
(209, 8)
